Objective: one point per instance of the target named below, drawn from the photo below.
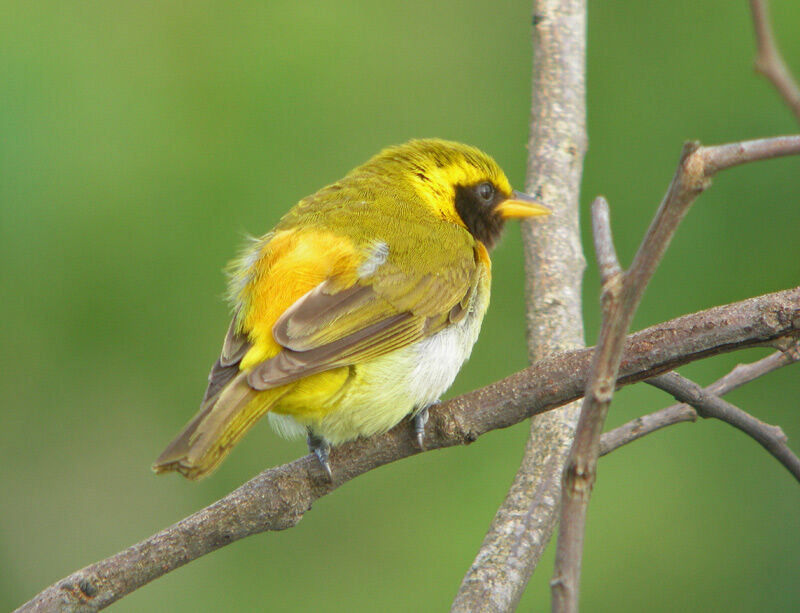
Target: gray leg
(320, 448)
(420, 419)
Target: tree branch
(618, 304)
(678, 413)
(278, 498)
(644, 425)
(722, 157)
(769, 61)
(621, 295)
(707, 404)
(554, 266)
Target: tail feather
(219, 424)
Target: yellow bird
(360, 307)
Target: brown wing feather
(307, 323)
(226, 367)
(327, 315)
(290, 365)
(327, 329)
(302, 356)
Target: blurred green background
(139, 141)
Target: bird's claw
(420, 419)
(320, 448)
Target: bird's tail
(219, 424)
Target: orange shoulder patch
(291, 264)
(483, 255)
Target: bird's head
(459, 183)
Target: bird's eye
(486, 191)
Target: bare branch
(769, 61)
(770, 437)
(678, 413)
(647, 424)
(745, 373)
(554, 266)
(278, 498)
(578, 478)
(722, 157)
(620, 300)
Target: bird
(359, 308)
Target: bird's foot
(420, 419)
(320, 448)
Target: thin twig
(603, 240)
(578, 478)
(554, 266)
(722, 157)
(770, 437)
(647, 424)
(621, 298)
(745, 373)
(279, 497)
(769, 61)
(678, 413)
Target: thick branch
(554, 266)
(769, 61)
(678, 413)
(706, 404)
(621, 297)
(279, 497)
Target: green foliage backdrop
(140, 140)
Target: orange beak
(521, 205)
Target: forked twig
(707, 404)
(621, 294)
(681, 412)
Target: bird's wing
(234, 347)
(325, 330)
(330, 327)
